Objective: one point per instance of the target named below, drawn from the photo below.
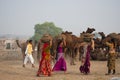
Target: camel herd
(72, 47)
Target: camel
(76, 46)
(99, 53)
(23, 47)
(102, 34)
(101, 45)
(69, 46)
(90, 30)
(116, 37)
(72, 45)
(109, 37)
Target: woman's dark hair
(30, 41)
(59, 42)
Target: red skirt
(44, 67)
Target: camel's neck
(18, 44)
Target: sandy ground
(11, 69)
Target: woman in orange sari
(45, 62)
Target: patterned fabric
(45, 62)
(111, 60)
(111, 56)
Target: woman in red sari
(45, 62)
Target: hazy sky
(20, 16)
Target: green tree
(46, 27)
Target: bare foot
(38, 75)
(107, 74)
(33, 66)
(24, 65)
(49, 74)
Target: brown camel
(72, 45)
(103, 45)
(90, 30)
(69, 46)
(116, 37)
(76, 46)
(99, 53)
(109, 37)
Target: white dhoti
(29, 57)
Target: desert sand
(11, 69)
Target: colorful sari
(60, 64)
(85, 67)
(111, 61)
(45, 62)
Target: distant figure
(28, 54)
(45, 62)
(85, 61)
(60, 64)
(111, 56)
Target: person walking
(85, 61)
(28, 54)
(60, 64)
(111, 57)
(45, 62)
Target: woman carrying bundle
(60, 64)
(111, 56)
(45, 62)
(88, 45)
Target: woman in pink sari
(60, 64)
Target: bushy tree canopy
(46, 27)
